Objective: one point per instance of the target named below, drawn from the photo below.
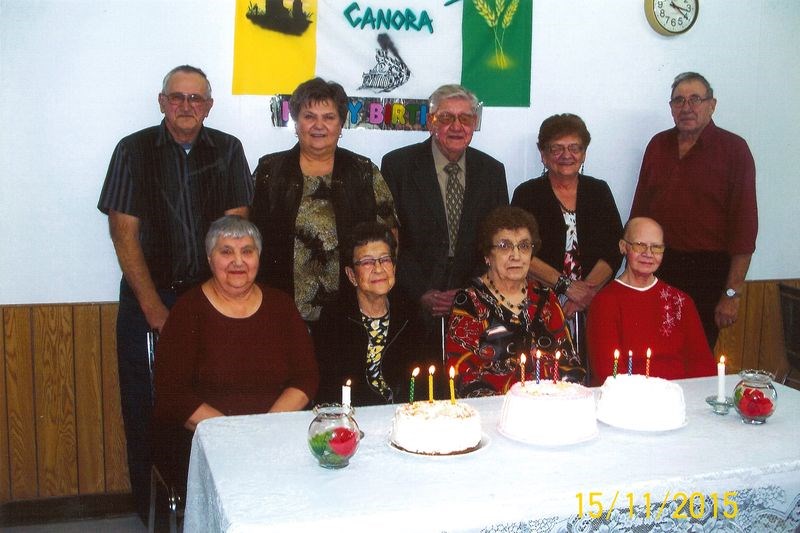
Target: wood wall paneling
(116, 464)
(89, 399)
(54, 382)
(19, 403)
(5, 475)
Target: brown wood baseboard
(27, 512)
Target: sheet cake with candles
(548, 413)
(641, 403)
(436, 428)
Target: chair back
(790, 313)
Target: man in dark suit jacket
(430, 266)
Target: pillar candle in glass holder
(721, 379)
(522, 360)
(630, 362)
(555, 366)
(647, 364)
(452, 386)
(538, 365)
(411, 385)
(616, 361)
(346, 394)
(431, 370)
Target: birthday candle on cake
(647, 365)
(538, 364)
(616, 361)
(452, 386)
(414, 375)
(721, 379)
(522, 360)
(630, 362)
(431, 370)
(555, 366)
(346, 394)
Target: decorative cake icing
(549, 414)
(437, 428)
(641, 403)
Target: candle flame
(348, 383)
(538, 354)
(431, 370)
(452, 372)
(630, 353)
(616, 354)
(649, 353)
(415, 373)
(722, 359)
(558, 355)
(522, 359)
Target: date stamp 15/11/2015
(687, 505)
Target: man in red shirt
(698, 182)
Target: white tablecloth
(255, 473)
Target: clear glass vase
(333, 435)
(755, 397)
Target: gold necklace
(504, 300)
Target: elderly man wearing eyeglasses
(164, 187)
(699, 182)
(638, 312)
(442, 189)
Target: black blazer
(410, 173)
(599, 226)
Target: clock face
(671, 17)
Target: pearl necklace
(505, 301)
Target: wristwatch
(731, 293)
(562, 285)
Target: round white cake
(438, 428)
(641, 403)
(548, 414)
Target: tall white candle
(346, 394)
(721, 379)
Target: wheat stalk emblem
(498, 20)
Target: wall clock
(671, 17)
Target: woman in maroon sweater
(229, 347)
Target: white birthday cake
(641, 403)
(548, 414)
(437, 428)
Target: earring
(581, 169)
(544, 170)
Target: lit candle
(538, 363)
(630, 362)
(346, 394)
(414, 375)
(555, 366)
(431, 370)
(616, 361)
(721, 379)
(647, 366)
(522, 360)
(452, 386)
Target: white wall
(77, 75)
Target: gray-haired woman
(229, 347)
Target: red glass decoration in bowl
(755, 397)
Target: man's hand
(580, 295)
(726, 312)
(156, 315)
(438, 303)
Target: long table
(255, 473)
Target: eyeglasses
(642, 247)
(179, 98)
(369, 262)
(507, 247)
(467, 120)
(558, 149)
(694, 101)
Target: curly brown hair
(558, 126)
(511, 218)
